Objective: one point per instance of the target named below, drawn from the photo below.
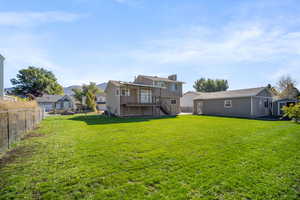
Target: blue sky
(249, 42)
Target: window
(227, 104)
(117, 92)
(174, 87)
(173, 101)
(266, 103)
(159, 84)
(125, 92)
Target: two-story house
(146, 96)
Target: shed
(250, 103)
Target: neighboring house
(278, 104)
(1, 76)
(187, 101)
(146, 96)
(56, 102)
(101, 101)
(251, 103)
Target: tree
(286, 87)
(210, 85)
(91, 101)
(88, 92)
(78, 94)
(35, 82)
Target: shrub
(292, 112)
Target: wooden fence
(15, 123)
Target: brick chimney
(1, 77)
(173, 77)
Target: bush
(292, 112)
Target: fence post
(25, 120)
(8, 130)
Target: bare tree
(285, 82)
(286, 86)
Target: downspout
(251, 106)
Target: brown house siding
(112, 100)
(164, 100)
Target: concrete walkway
(185, 113)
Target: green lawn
(185, 157)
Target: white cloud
(247, 44)
(35, 18)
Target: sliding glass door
(145, 96)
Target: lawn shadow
(267, 118)
(100, 119)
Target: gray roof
(49, 98)
(122, 83)
(155, 78)
(230, 94)
(278, 98)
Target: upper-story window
(159, 84)
(117, 92)
(125, 92)
(174, 87)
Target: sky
(251, 43)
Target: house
(187, 101)
(251, 103)
(56, 102)
(1, 76)
(101, 101)
(146, 96)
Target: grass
(185, 157)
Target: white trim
(229, 100)
(263, 97)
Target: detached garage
(251, 103)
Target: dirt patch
(12, 155)
(33, 135)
